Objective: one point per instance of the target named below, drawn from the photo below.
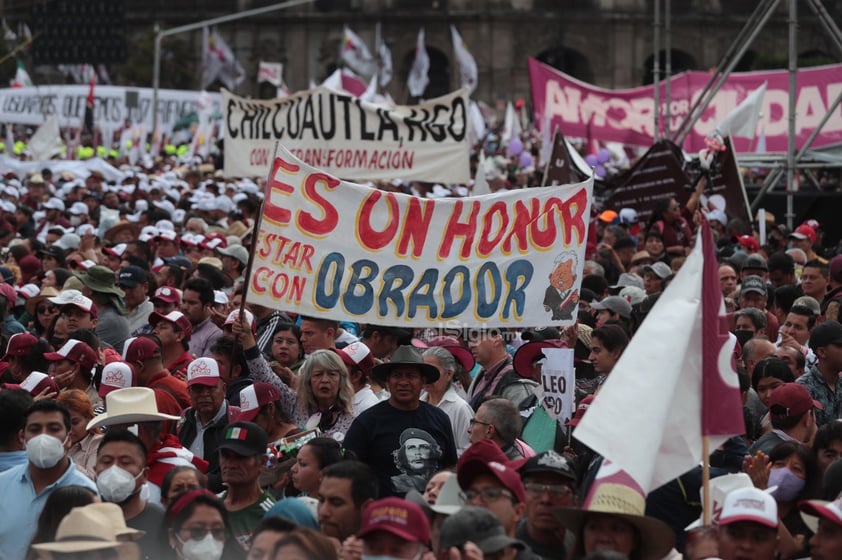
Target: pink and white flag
(650, 415)
(355, 54)
(419, 73)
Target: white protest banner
(558, 383)
(348, 137)
(31, 106)
(345, 251)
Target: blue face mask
(789, 486)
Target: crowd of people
(145, 412)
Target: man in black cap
(753, 293)
(822, 379)
(403, 439)
(550, 483)
(242, 452)
(134, 281)
(476, 526)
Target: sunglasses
(47, 309)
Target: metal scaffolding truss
(795, 159)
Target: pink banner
(585, 111)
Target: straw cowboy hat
(656, 538)
(87, 529)
(129, 406)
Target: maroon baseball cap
(168, 295)
(175, 317)
(459, 352)
(36, 382)
(791, 399)
(19, 345)
(486, 457)
(254, 397)
(406, 520)
(140, 349)
(76, 351)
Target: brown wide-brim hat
(119, 227)
(405, 356)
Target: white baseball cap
(203, 371)
(749, 504)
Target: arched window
(569, 61)
(680, 62)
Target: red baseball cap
(357, 355)
(749, 242)
(459, 352)
(804, 232)
(791, 399)
(36, 382)
(406, 520)
(75, 351)
(19, 345)
(140, 349)
(168, 295)
(254, 397)
(486, 457)
(175, 317)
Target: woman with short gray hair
(443, 395)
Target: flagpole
(705, 479)
(257, 223)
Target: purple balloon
(515, 147)
(599, 170)
(603, 156)
(591, 160)
(525, 159)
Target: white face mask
(116, 485)
(45, 451)
(207, 548)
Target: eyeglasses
(47, 309)
(198, 533)
(474, 421)
(487, 494)
(554, 490)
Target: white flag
(355, 54)
(651, 425)
(46, 142)
(478, 128)
(271, 72)
(511, 125)
(385, 56)
(418, 75)
(742, 121)
(467, 64)
(218, 62)
(480, 182)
